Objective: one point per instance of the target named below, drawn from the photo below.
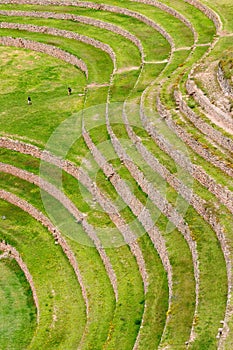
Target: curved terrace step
(172, 12)
(221, 117)
(45, 48)
(104, 7)
(36, 214)
(224, 83)
(223, 194)
(212, 15)
(63, 33)
(218, 190)
(197, 147)
(110, 210)
(204, 127)
(138, 210)
(80, 19)
(160, 202)
(127, 196)
(13, 253)
(91, 186)
(193, 199)
(66, 202)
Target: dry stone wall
(134, 204)
(65, 201)
(45, 48)
(32, 211)
(205, 103)
(13, 253)
(63, 33)
(160, 202)
(172, 12)
(198, 203)
(222, 193)
(82, 19)
(207, 129)
(224, 83)
(208, 12)
(102, 7)
(81, 176)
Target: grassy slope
(123, 84)
(17, 309)
(53, 277)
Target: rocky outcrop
(224, 83)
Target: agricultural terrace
(116, 174)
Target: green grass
(124, 326)
(50, 103)
(160, 17)
(154, 43)
(18, 312)
(172, 336)
(111, 325)
(224, 10)
(54, 280)
(99, 63)
(123, 84)
(200, 230)
(202, 24)
(157, 305)
(100, 293)
(127, 53)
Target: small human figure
(69, 91)
(29, 100)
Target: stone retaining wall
(198, 203)
(224, 83)
(142, 214)
(102, 7)
(205, 103)
(172, 12)
(81, 176)
(32, 211)
(160, 202)
(199, 148)
(13, 253)
(66, 202)
(82, 19)
(63, 33)
(205, 128)
(45, 48)
(223, 194)
(208, 12)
